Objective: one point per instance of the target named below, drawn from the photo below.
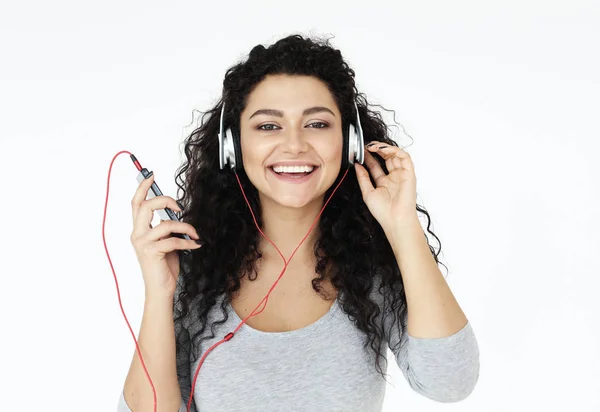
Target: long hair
(351, 247)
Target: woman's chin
(295, 201)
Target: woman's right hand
(156, 251)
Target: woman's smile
(293, 174)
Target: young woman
(362, 280)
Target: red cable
(115, 276)
(230, 334)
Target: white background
(500, 98)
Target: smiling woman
(362, 279)
(304, 132)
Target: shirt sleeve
(443, 369)
(182, 359)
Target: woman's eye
(271, 126)
(266, 126)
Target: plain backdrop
(498, 106)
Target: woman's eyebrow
(279, 113)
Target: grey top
(321, 367)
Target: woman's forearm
(433, 312)
(157, 345)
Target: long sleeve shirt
(321, 367)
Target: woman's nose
(295, 141)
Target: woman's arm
(157, 344)
(433, 312)
(437, 352)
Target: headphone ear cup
(237, 150)
(226, 149)
(359, 140)
(354, 150)
(353, 142)
(345, 148)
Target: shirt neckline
(323, 320)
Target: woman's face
(291, 138)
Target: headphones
(230, 150)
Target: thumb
(364, 180)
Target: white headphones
(230, 151)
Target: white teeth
(293, 169)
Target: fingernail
(370, 144)
(199, 242)
(382, 146)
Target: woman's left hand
(394, 199)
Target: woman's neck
(286, 227)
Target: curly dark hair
(351, 247)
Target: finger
(175, 243)
(393, 163)
(389, 152)
(140, 195)
(407, 162)
(364, 181)
(166, 228)
(161, 220)
(373, 166)
(146, 210)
